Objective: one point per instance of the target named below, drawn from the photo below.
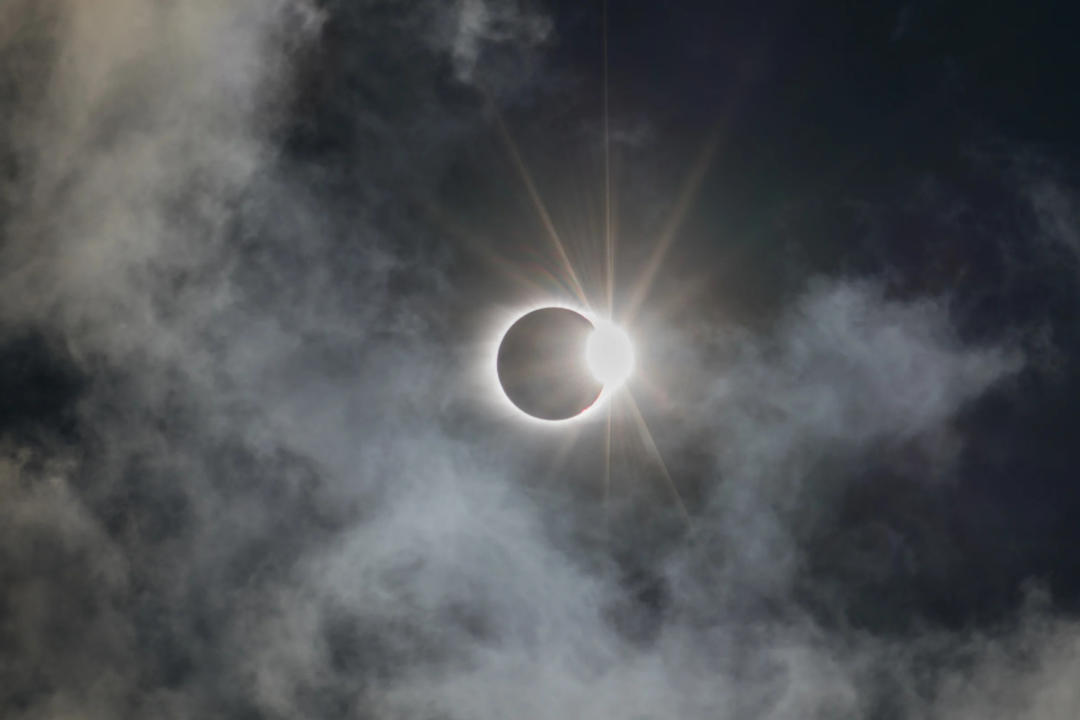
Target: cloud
(1056, 211)
(61, 570)
(1024, 671)
(151, 120)
(845, 371)
(481, 22)
(268, 508)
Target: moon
(542, 364)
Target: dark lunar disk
(541, 364)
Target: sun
(609, 355)
(560, 373)
(556, 363)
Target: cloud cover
(267, 509)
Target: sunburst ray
(654, 451)
(691, 184)
(540, 206)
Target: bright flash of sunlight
(609, 352)
(610, 355)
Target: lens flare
(609, 355)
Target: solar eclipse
(554, 363)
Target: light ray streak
(541, 208)
(607, 460)
(650, 445)
(482, 248)
(558, 461)
(686, 195)
(609, 230)
(656, 393)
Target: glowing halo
(605, 338)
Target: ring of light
(609, 347)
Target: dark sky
(255, 257)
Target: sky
(255, 258)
